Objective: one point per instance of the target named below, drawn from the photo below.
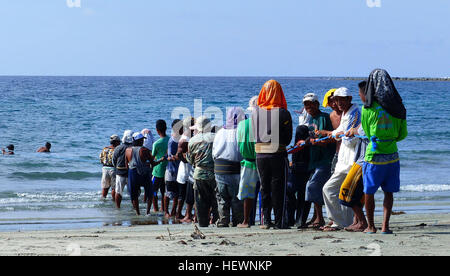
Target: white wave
(425, 188)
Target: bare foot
(359, 227)
(243, 225)
(167, 215)
(187, 220)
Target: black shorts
(172, 189)
(158, 184)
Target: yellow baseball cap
(327, 96)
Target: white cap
(310, 97)
(127, 137)
(342, 92)
(137, 136)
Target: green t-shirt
(377, 122)
(321, 155)
(246, 144)
(160, 150)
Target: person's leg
(201, 205)
(106, 183)
(255, 203)
(223, 200)
(237, 206)
(292, 202)
(112, 175)
(105, 192)
(370, 209)
(341, 215)
(162, 190)
(189, 203)
(181, 198)
(119, 189)
(148, 189)
(155, 188)
(133, 189)
(314, 194)
(265, 175)
(247, 193)
(373, 176)
(392, 185)
(303, 206)
(279, 166)
(387, 210)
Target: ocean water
(77, 115)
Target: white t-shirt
(185, 170)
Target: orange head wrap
(272, 96)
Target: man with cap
(200, 157)
(119, 162)
(341, 216)
(320, 157)
(139, 161)
(108, 170)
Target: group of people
(10, 149)
(339, 160)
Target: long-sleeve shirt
(272, 137)
(246, 142)
(200, 155)
(387, 129)
(347, 152)
(226, 146)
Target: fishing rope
(373, 139)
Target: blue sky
(224, 38)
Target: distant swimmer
(46, 148)
(10, 149)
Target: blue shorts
(315, 184)
(136, 181)
(385, 176)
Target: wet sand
(420, 235)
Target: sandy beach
(419, 235)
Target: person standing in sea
(46, 148)
(10, 149)
(159, 151)
(272, 129)
(108, 170)
(119, 162)
(200, 157)
(227, 168)
(139, 162)
(384, 122)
